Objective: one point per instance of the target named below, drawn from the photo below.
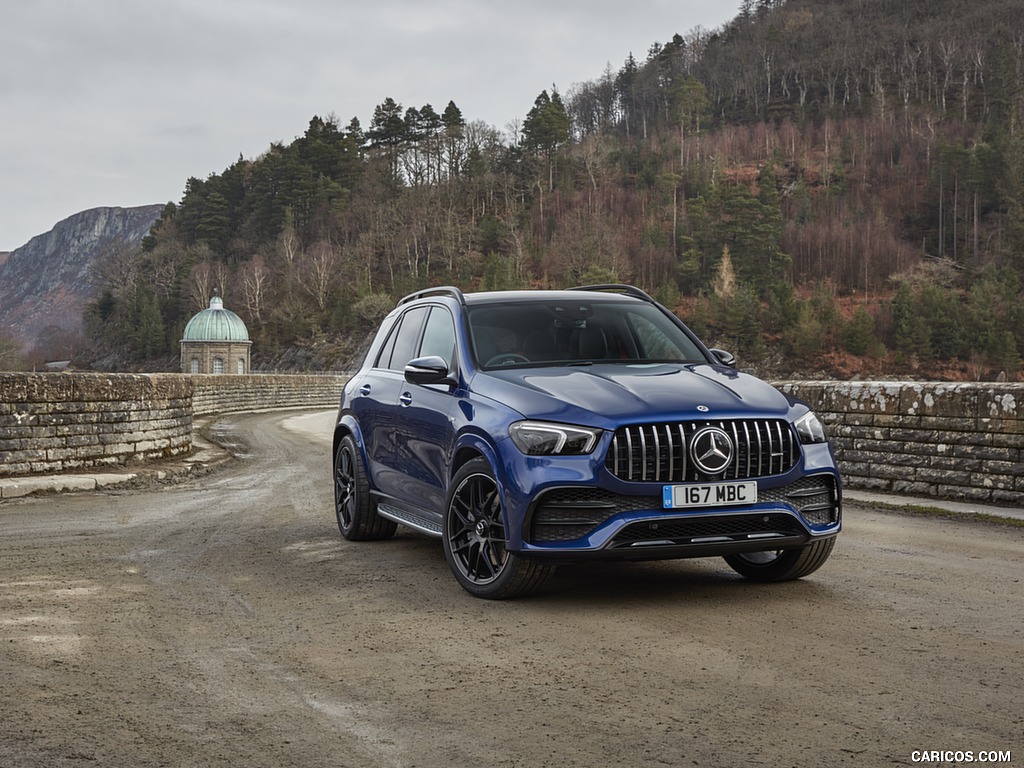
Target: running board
(403, 517)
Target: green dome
(216, 324)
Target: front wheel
(474, 539)
(782, 564)
(355, 509)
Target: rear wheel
(474, 539)
(355, 509)
(782, 564)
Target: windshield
(547, 332)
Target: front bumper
(578, 511)
(593, 523)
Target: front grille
(565, 514)
(660, 453)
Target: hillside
(818, 185)
(45, 284)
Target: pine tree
(546, 128)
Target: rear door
(425, 434)
(376, 404)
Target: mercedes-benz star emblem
(711, 450)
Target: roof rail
(629, 290)
(444, 290)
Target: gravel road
(224, 622)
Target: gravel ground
(223, 622)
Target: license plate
(709, 495)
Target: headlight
(540, 438)
(810, 429)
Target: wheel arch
(470, 446)
(348, 427)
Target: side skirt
(418, 521)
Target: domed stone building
(215, 341)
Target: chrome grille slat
(747, 436)
(734, 471)
(660, 452)
(671, 450)
(782, 453)
(760, 451)
(682, 450)
(629, 453)
(644, 455)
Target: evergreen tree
(454, 133)
(388, 133)
(911, 334)
(546, 128)
(859, 333)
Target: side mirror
(725, 358)
(428, 370)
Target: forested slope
(825, 185)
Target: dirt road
(224, 622)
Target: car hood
(608, 395)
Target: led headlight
(541, 438)
(810, 429)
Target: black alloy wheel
(354, 507)
(474, 539)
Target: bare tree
(208, 276)
(316, 272)
(117, 269)
(200, 285)
(256, 280)
(288, 247)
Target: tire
(783, 564)
(354, 507)
(474, 539)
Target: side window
(439, 335)
(384, 356)
(406, 339)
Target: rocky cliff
(46, 283)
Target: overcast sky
(118, 102)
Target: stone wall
(944, 440)
(66, 422)
(223, 394)
(54, 422)
(953, 441)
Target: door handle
(405, 398)
(364, 390)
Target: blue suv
(531, 428)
